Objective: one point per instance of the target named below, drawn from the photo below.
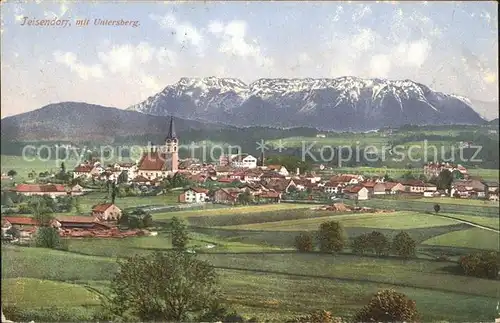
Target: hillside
(77, 121)
(346, 103)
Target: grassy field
(27, 292)
(261, 275)
(493, 223)
(274, 286)
(471, 238)
(458, 201)
(395, 220)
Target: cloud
(85, 72)
(362, 11)
(234, 42)
(183, 31)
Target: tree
(437, 207)
(77, 205)
(113, 193)
(180, 235)
(485, 264)
(378, 243)
(403, 245)
(47, 237)
(388, 306)
(147, 220)
(304, 242)
(331, 236)
(444, 180)
(245, 198)
(360, 244)
(11, 173)
(41, 211)
(63, 168)
(169, 286)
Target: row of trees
(59, 204)
(331, 237)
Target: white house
(246, 161)
(193, 195)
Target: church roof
(171, 130)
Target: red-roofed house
(280, 169)
(270, 196)
(19, 222)
(106, 212)
(79, 222)
(387, 188)
(51, 190)
(193, 195)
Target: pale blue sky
(450, 46)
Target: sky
(449, 46)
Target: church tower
(172, 148)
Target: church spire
(171, 130)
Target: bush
(316, 317)
(403, 245)
(482, 265)
(331, 236)
(304, 242)
(388, 306)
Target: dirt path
(469, 223)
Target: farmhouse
(79, 222)
(279, 185)
(270, 196)
(52, 190)
(18, 222)
(106, 212)
(354, 192)
(193, 195)
(226, 195)
(159, 163)
(333, 187)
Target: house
(387, 188)
(143, 181)
(106, 212)
(243, 161)
(493, 196)
(414, 186)
(79, 222)
(223, 170)
(77, 190)
(347, 179)
(370, 187)
(52, 190)
(312, 177)
(356, 192)
(252, 175)
(333, 188)
(193, 195)
(279, 169)
(281, 185)
(270, 197)
(18, 222)
(226, 195)
(434, 169)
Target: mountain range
(346, 103)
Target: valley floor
(262, 275)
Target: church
(159, 163)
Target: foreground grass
(470, 238)
(395, 220)
(275, 286)
(31, 292)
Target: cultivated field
(261, 274)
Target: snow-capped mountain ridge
(309, 102)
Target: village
(238, 179)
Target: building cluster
(433, 169)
